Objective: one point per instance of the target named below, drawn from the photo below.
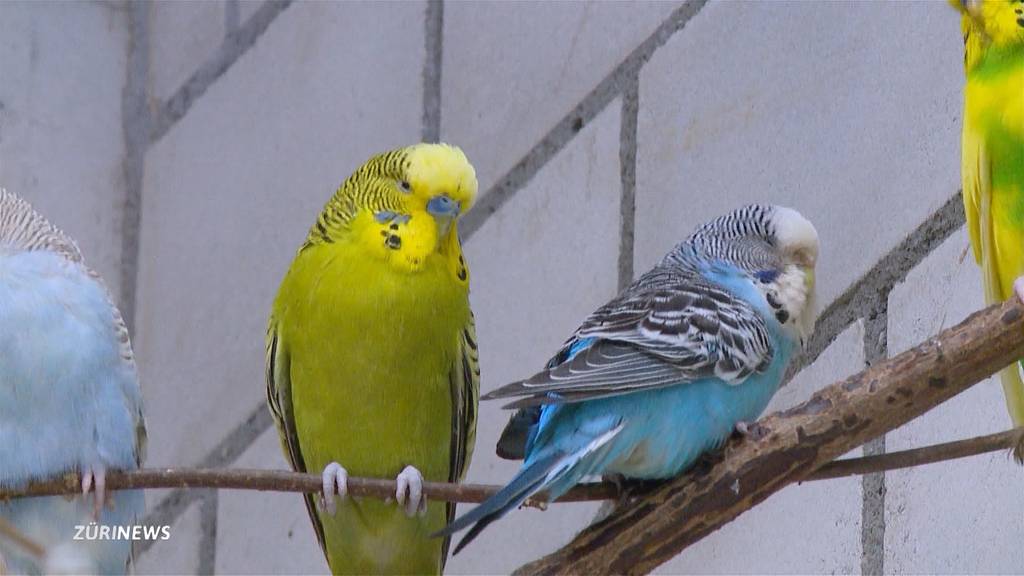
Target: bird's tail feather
(529, 480)
(557, 471)
(1013, 389)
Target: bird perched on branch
(372, 364)
(69, 395)
(993, 156)
(669, 368)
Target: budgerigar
(668, 369)
(993, 155)
(372, 358)
(69, 394)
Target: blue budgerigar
(69, 399)
(667, 370)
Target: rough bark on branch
(650, 529)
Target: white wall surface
(572, 113)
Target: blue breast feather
(67, 401)
(67, 398)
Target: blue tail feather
(529, 480)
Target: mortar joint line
(433, 27)
(135, 124)
(873, 486)
(207, 553)
(234, 46)
(627, 169)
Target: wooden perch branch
(282, 481)
(1011, 439)
(649, 530)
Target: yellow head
(402, 205)
(989, 24)
(441, 177)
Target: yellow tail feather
(1013, 389)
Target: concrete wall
(188, 146)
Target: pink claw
(409, 492)
(334, 477)
(1018, 288)
(95, 478)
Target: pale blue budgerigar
(665, 372)
(69, 395)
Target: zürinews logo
(94, 531)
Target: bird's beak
(442, 206)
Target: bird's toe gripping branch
(95, 478)
(334, 478)
(1018, 288)
(409, 492)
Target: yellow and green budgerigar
(993, 155)
(372, 363)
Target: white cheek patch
(797, 298)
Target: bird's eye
(405, 186)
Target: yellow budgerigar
(372, 364)
(993, 155)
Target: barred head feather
(395, 181)
(755, 237)
(24, 229)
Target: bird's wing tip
(511, 389)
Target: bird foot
(409, 492)
(95, 478)
(752, 430)
(1018, 288)
(334, 477)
